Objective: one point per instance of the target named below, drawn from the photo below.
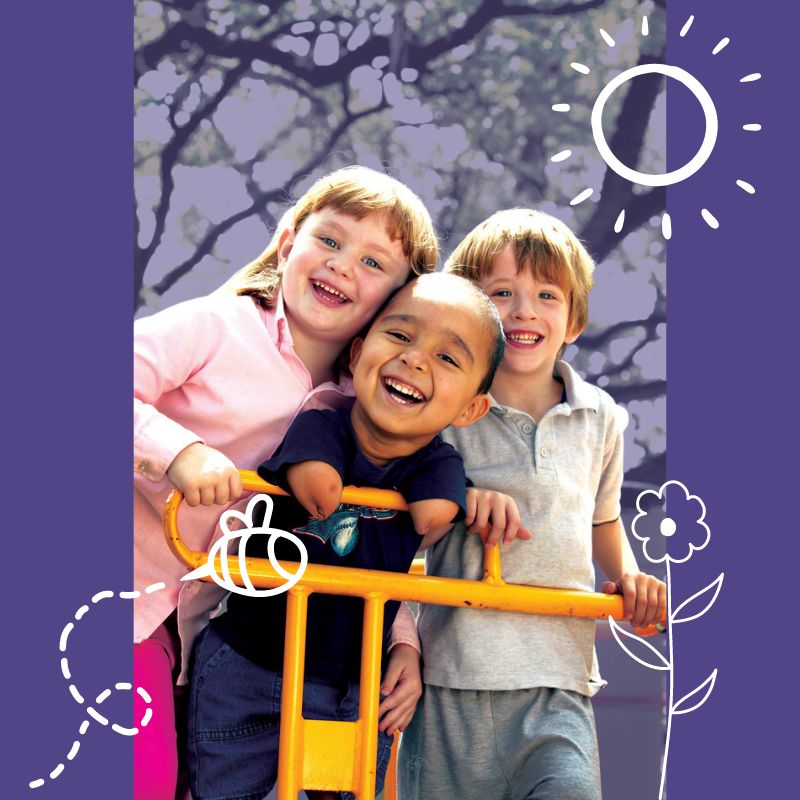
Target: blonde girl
(217, 381)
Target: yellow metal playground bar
(341, 756)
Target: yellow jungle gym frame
(341, 756)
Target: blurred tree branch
(169, 157)
(177, 39)
(259, 203)
(617, 193)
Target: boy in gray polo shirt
(506, 711)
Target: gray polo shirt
(565, 474)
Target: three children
(547, 454)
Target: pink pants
(155, 752)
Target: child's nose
(339, 264)
(414, 359)
(525, 309)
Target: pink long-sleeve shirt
(220, 370)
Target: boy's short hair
(541, 242)
(487, 307)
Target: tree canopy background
(240, 105)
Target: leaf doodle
(715, 585)
(708, 683)
(661, 662)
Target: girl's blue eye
(328, 241)
(547, 296)
(371, 262)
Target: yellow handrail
(341, 755)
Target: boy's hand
(204, 475)
(644, 598)
(494, 515)
(317, 486)
(401, 687)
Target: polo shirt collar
(579, 393)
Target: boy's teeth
(404, 390)
(525, 337)
(330, 290)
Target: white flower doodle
(654, 527)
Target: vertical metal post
(492, 571)
(390, 785)
(290, 746)
(369, 698)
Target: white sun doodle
(655, 179)
(220, 548)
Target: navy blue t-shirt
(353, 536)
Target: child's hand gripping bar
(491, 592)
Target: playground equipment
(341, 756)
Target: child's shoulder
(584, 395)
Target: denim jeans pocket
(231, 697)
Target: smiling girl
(218, 380)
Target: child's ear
(478, 407)
(355, 352)
(285, 244)
(573, 332)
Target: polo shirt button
(527, 427)
(543, 452)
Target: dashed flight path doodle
(91, 712)
(220, 548)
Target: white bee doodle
(220, 548)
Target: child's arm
(310, 463)
(432, 519)
(494, 516)
(317, 486)
(435, 493)
(644, 596)
(169, 349)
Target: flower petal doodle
(670, 523)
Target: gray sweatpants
(525, 744)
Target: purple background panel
(66, 398)
(68, 208)
(731, 358)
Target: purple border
(731, 296)
(67, 184)
(67, 142)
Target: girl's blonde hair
(358, 191)
(541, 243)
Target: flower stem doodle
(680, 534)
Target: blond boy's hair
(542, 243)
(358, 191)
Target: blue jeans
(234, 722)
